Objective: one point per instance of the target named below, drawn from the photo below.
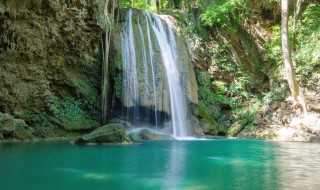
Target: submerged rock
(111, 133)
(145, 134)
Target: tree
(296, 91)
(109, 16)
(297, 9)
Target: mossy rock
(146, 134)
(235, 129)
(121, 121)
(12, 128)
(111, 133)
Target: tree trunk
(295, 89)
(105, 86)
(297, 9)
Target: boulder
(111, 133)
(145, 134)
(315, 139)
(235, 129)
(11, 128)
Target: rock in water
(111, 133)
(146, 134)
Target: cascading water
(152, 69)
(168, 52)
(145, 68)
(164, 40)
(130, 78)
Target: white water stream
(165, 39)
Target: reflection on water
(168, 165)
(176, 166)
(298, 165)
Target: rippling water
(194, 165)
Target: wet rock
(195, 125)
(197, 129)
(145, 134)
(121, 121)
(111, 133)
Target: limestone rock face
(112, 133)
(48, 49)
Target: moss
(146, 134)
(71, 113)
(111, 133)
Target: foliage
(273, 47)
(71, 112)
(222, 12)
(307, 53)
(308, 47)
(138, 4)
(230, 95)
(118, 85)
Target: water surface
(194, 165)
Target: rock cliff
(49, 50)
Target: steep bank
(50, 65)
(242, 86)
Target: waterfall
(152, 69)
(168, 52)
(164, 40)
(145, 68)
(130, 77)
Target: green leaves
(306, 54)
(221, 12)
(71, 112)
